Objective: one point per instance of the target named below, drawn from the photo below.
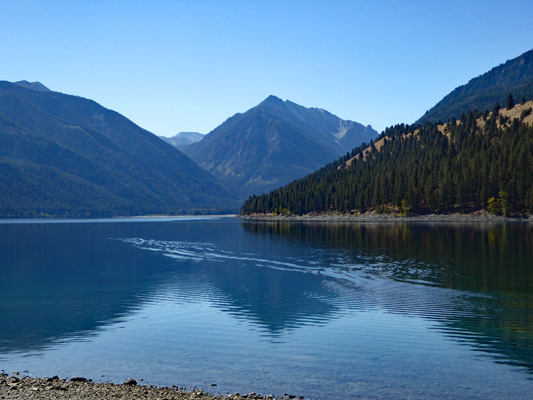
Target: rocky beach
(15, 387)
(374, 217)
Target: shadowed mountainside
(515, 76)
(63, 155)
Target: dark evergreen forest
(483, 161)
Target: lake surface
(325, 311)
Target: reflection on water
(323, 306)
(488, 266)
(275, 296)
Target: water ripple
(353, 283)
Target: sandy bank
(14, 387)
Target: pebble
(371, 217)
(79, 388)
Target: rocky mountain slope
(183, 139)
(274, 143)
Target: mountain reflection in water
(73, 282)
(487, 266)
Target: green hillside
(480, 162)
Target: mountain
(33, 86)
(183, 139)
(515, 77)
(482, 162)
(62, 155)
(274, 143)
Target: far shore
(182, 216)
(374, 217)
(110, 219)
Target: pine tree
(468, 168)
(510, 102)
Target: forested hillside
(66, 156)
(514, 76)
(483, 161)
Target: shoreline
(141, 218)
(26, 387)
(182, 216)
(388, 218)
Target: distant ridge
(183, 139)
(275, 143)
(38, 86)
(66, 156)
(514, 76)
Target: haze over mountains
(63, 155)
(274, 143)
(183, 139)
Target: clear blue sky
(188, 65)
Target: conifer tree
(422, 169)
(510, 102)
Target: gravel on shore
(374, 217)
(77, 388)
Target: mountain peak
(37, 86)
(275, 143)
(273, 100)
(183, 139)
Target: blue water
(324, 311)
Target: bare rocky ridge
(275, 143)
(183, 139)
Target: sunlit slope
(274, 143)
(479, 162)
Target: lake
(324, 311)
